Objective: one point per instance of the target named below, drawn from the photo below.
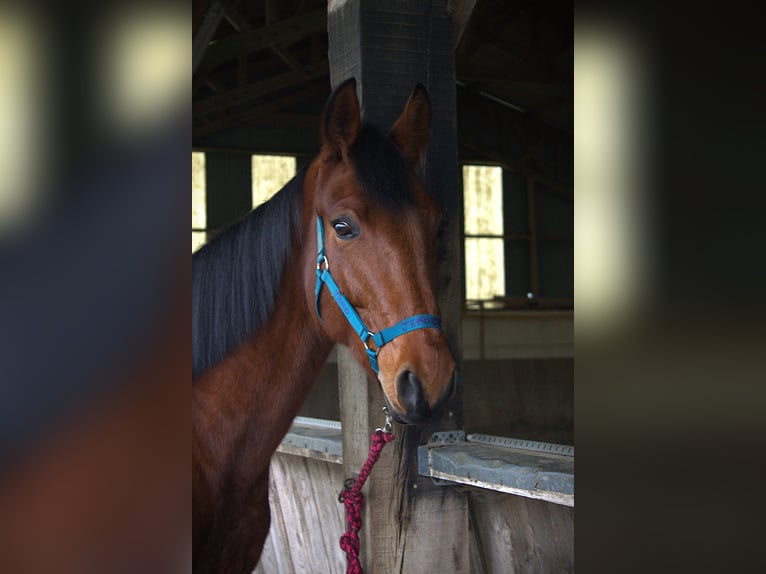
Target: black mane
(236, 276)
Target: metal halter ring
(347, 485)
(370, 335)
(325, 278)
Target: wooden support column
(205, 33)
(534, 261)
(410, 525)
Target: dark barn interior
(262, 71)
(259, 87)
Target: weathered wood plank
(306, 518)
(516, 535)
(274, 559)
(326, 482)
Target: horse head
(377, 232)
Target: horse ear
(412, 131)
(341, 121)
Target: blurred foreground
(94, 287)
(670, 369)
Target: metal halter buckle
(389, 426)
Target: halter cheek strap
(380, 338)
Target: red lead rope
(353, 499)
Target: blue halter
(381, 337)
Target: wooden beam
(259, 89)
(257, 69)
(284, 54)
(287, 120)
(500, 159)
(271, 9)
(205, 33)
(461, 14)
(262, 110)
(520, 303)
(389, 47)
(492, 71)
(284, 32)
(240, 24)
(279, 120)
(235, 17)
(242, 70)
(534, 261)
(215, 85)
(477, 105)
(519, 237)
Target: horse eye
(343, 230)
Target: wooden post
(205, 33)
(534, 262)
(410, 525)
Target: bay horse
(344, 253)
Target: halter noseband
(381, 337)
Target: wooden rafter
(529, 72)
(258, 89)
(461, 15)
(283, 32)
(281, 53)
(235, 17)
(205, 33)
(501, 158)
(263, 110)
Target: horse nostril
(410, 391)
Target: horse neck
(244, 406)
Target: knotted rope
(353, 499)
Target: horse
(344, 253)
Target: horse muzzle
(412, 397)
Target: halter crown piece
(380, 338)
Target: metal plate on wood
(538, 472)
(562, 449)
(314, 438)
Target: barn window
(518, 232)
(270, 173)
(199, 211)
(484, 244)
